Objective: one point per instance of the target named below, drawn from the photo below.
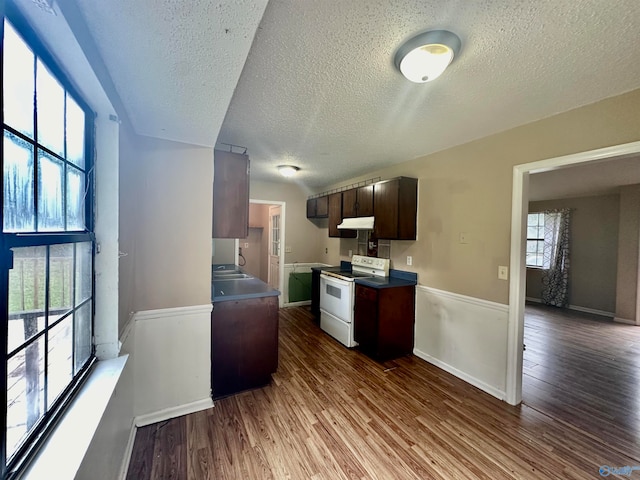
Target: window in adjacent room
(535, 240)
(47, 242)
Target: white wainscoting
(465, 336)
(298, 268)
(172, 362)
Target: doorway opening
(517, 285)
(262, 252)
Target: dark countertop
(385, 282)
(239, 289)
(396, 278)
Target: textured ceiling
(595, 178)
(174, 63)
(319, 89)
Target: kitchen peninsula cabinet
(244, 344)
(318, 207)
(358, 202)
(230, 195)
(395, 208)
(384, 321)
(335, 218)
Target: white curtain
(555, 276)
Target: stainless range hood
(357, 223)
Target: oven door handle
(335, 280)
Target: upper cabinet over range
(230, 195)
(393, 203)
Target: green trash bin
(299, 287)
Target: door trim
(283, 226)
(517, 284)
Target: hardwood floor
(332, 413)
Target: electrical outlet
(503, 272)
(464, 237)
(350, 253)
(409, 260)
(326, 250)
(246, 245)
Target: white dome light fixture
(424, 57)
(288, 170)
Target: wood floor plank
(333, 413)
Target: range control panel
(374, 265)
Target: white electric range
(337, 296)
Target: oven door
(336, 297)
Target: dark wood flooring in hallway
(333, 413)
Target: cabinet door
(349, 203)
(311, 207)
(365, 321)
(335, 217)
(230, 195)
(396, 206)
(386, 209)
(322, 206)
(365, 201)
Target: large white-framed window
(47, 244)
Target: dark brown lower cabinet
(384, 321)
(244, 344)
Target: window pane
(50, 108)
(75, 199)
(26, 294)
(60, 358)
(82, 334)
(75, 133)
(17, 82)
(18, 185)
(532, 232)
(60, 280)
(25, 393)
(532, 246)
(532, 219)
(84, 273)
(50, 197)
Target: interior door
(275, 241)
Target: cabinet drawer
(366, 293)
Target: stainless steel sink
(230, 276)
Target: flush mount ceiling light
(424, 57)
(287, 170)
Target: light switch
(503, 272)
(287, 249)
(464, 237)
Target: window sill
(62, 453)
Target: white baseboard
(128, 452)
(144, 315)
(173, 412)
(578, 308)
(624, 320)
(501, 395)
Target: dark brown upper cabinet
(318, 207)
(358, 202)
(396, 207)
(335, 217)
(230, 195)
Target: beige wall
(300, 234)
(594, 251)
(468, 189)
(627, 304)
(165, 224)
